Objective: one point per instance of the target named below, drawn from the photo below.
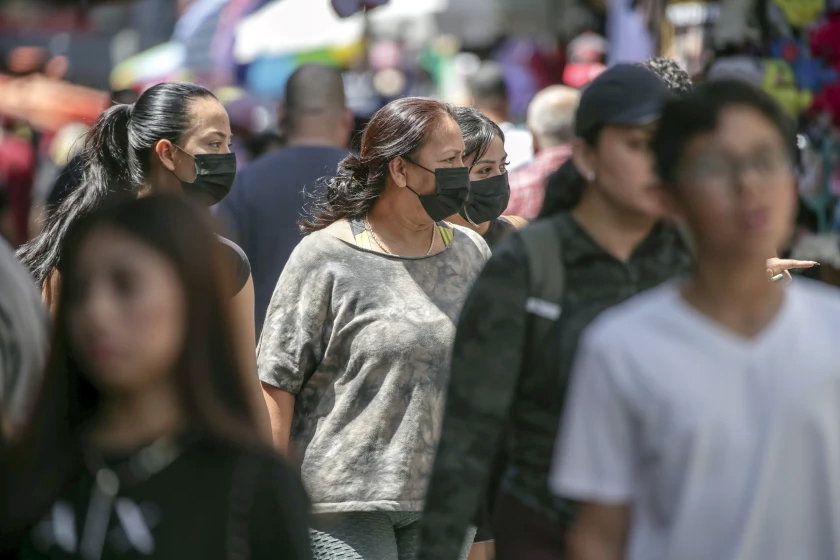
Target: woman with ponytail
(354, 355)
(174, 139)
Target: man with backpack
(519, 328)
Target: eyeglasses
(725, 170)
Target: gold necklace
(386, 251)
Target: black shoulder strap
(546, 278)
(243, 487)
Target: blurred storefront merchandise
(161, 63)
(688, 33)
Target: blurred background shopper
(268, 197)
(551, 122)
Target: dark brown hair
(212, 390)
(400, 128)
(478, 132)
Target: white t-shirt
(727, 448)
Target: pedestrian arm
(243, 331)
(281, 409)
(600, 532)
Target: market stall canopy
(293, 26)
(48, 104)
(160, 63)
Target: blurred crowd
(459, 339)
(428, 332)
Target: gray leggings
(370, 535)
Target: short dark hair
(313, 89)
(685, 118)
(563, 190)
(478, 131)
(487, 86)
(671, 73)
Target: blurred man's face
(736, 187)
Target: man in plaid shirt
(550, 120)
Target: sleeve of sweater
(298, 321)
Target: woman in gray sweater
(354, 355)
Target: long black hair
(478, 131)
(211, 388)
(398, 129)
(116, 157)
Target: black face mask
(488, 199)
(452, 187)
(214, 174)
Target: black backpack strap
(546, 278)
(242, 490)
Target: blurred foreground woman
(144, 443)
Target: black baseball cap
(624, 94)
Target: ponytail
(565, 187)
(106, 165)
(107, 151)
(346, 195)
(117, 157)
(564, 190)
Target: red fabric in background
(17, 173)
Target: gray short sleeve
(292, 342)
(363, 340)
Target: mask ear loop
(421, 167)
(467, 216)
(195, 164)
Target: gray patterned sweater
(363, 340)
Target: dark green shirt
(490, 385)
